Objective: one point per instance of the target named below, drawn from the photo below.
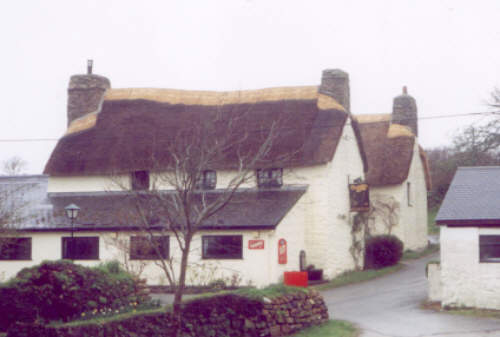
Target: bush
(61, 290)
(382, 251)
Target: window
(80, 248)
(489, 248)
(222, 247)
(408, 194)
(15, 248)
(207, 181)
(141, 248)
(140, 180)
(272, 177)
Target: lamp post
(72, 212)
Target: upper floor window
(408, 194)
(15, 248)
(140, 180)
(489, 248)
(142, 248)
(80, 248)
(207, 180)
(272, 177)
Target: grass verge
(357, 277)
(412, 255)
(431, 223)
(472, 312)
(330, 329)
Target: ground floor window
(222, 246)
(143, 248)
(489, 248)
(80, 248)
(15, 248)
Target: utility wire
(495, 113)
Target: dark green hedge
(382, 251)
(62, 290)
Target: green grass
(330, 329)
(412, 255)
(271, 291)
(357, 276)
(101, 320)
(431, 224)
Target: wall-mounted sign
(282, 259)
(359, 194)
(255, 244)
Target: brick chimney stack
(404, 111)
(85, 93)
(335, 83)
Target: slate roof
(473, 198)
(135, 128)
(250, 208)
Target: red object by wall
(282, 258)
(295, 278)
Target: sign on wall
(359, 194)
(255, 244)
(282, 258)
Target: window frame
(151, 255)
(68, 239)
(206, 182)
(266, 177)
(483, 243)
(140, 180)
(16, 256)
(205, 239)
(408, 193)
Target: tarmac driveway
(389, 306)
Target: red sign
(255, 244)
(282, 251)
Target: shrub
(61, 290)
(382, 251)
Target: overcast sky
(446, 51)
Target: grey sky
(446, 51)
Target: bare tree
(176, 203)
(14, 166)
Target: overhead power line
(495, 113)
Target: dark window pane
(142, 248)
(207, 180)
(222, 247)
(489, 248)
(140, 180)
(80, 248)
(270, 177)
(15, 248)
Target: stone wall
(222, 315)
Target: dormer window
(272, 177)
(207, 180)
(140, 180)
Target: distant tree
(14, 166)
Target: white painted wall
(412, 225)
(434, 282)
(465, 281)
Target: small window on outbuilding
(80, 248)
(140, 180)
(142, 248)
(272, 177)
(207, 181)
(15, 248)
(222, 246)
(489, 248)
(408, 194)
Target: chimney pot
(90, 63)
(335, 83)
(405, 90)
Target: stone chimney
(335, 83)
(404, 111)
(85, 93)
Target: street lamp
(72, 212)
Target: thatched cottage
(301, 202)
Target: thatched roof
(388, 150)
(136, 126)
